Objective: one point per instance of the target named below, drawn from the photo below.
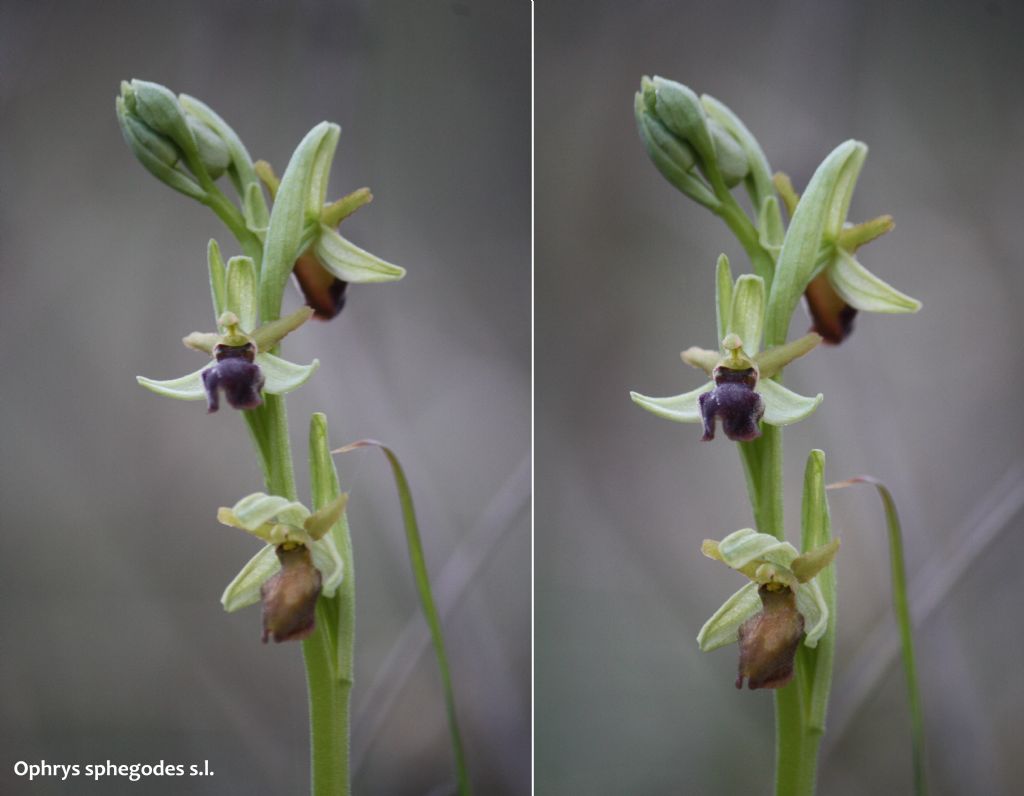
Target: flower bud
(289, 597)
(734, 400)
(236, 374)
(769, 640)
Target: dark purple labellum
(733, 400)
(289, 597)
(831, 316)
(769, 641)
(236, 374)
(322, 290)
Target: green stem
(329, 694)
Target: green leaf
(291, 216)
(723, 296)
(241, 290)
(723, 626)
(784, 407)
(244, 590)
(815, 212)
(422, 577)
(680, 408)
(350, 263)
(864, 291)
(259, 508)
(187, 388)
(218, 278)
(283, 376)
(746, 316)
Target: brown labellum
(769, 640)
(322, 290)
(831, 316)
(289, 597)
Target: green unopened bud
(213, 152)
(157, 106)
(732, 160)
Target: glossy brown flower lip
(831, 316)
(289, 597)
(769, 640)
(323, 291)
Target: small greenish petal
(241, 286)
(775, 359)
(319, 523)
(863, 290)
(269, 335)
(201, 341)
(244, 590)
(259, 508)
(680, 408)
(783, 407)
(350, 263)
(218, 278)
(747, 546)
(327, 559)
(807, 565)
(340, 209)
(187, 388)
(701, 358)
(746, 316)
(811, 603)
(724, 625)
(283, 376)
(723, 295)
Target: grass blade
(419, 569)
(901, 607)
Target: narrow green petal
(201, 341)
(323, 520)
(701, 358)
(187, 388)
(269, 335)
(783, 407)
(811, 603)
(254, 510)
(775, 359)
(723, 296)
(327, 559)
(724, 625)
(863, 290)
(283, 376)
(241, 297)
(680, 408)
(348, 262)
(244, 590)
(746, 316)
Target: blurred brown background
(114, 645)
(626, 704)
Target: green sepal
(283, 376)
(827, 194)
(244, 589)
(784, 407)
(723, 295)
(218, 278)
(680, 408)
(811, 603)
(186, 388)
(291, 215)
(746, 315)
(724, 625)
(254, 210)
(770, 231)
(348, 262)
(864, 291)
(773, 360)
(241, 291)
